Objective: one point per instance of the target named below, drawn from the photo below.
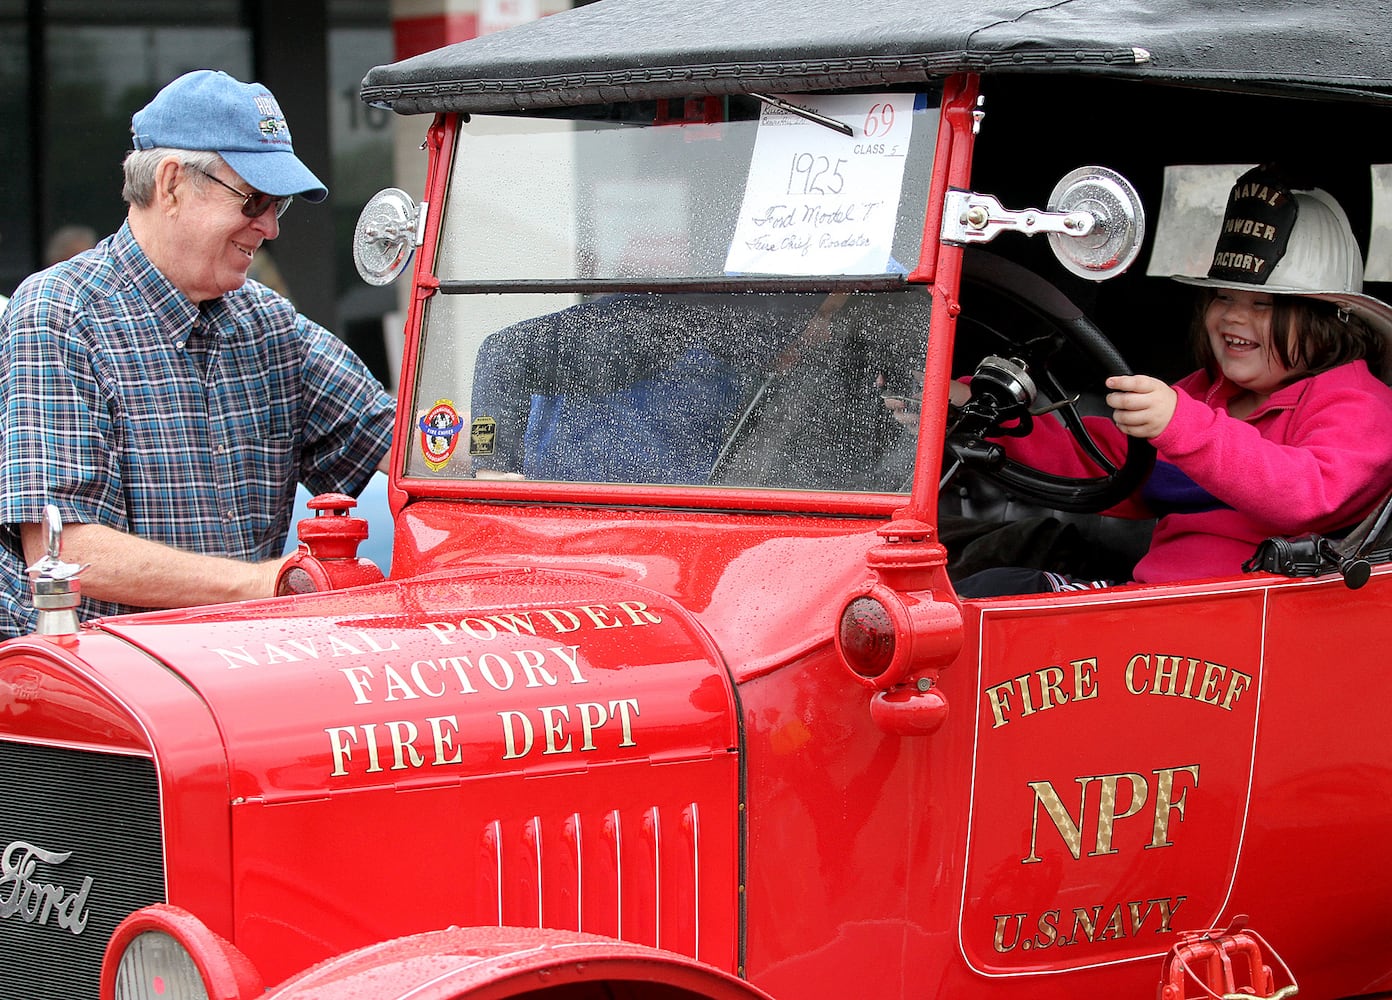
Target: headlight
(155, 966)
(165, 953)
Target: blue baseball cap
(208, 110)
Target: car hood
(483, 673)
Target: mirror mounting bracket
(1094, 220)
(979, 218)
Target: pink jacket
(1314, 458)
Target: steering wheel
(1034, 323)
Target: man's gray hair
(140, 166)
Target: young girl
(1286, 429)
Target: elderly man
(167, 405)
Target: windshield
(700, 293)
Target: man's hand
(146, 574)
(1142, 406)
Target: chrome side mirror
(1094, 219)
(389, 229)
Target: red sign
(1113, 769)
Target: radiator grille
(102, 811)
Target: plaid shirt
(127, 405)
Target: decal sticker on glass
(439, 434)
(483, 432)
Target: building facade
(72, 72)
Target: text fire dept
(569, 725)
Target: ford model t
(676, 689)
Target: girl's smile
(1238, 324)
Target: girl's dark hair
(1324, 337)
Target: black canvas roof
(616, 50)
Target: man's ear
(170, 184)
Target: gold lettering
(1167, 912)
(341, 741)
(1003, 921)
(1123, 919)
(592, 717)
(338, 646)
(531, 662)
(1070, 831)
(570, 656)
(370, 741)
(1051, 690)
(1202, 680)
(1114, 928)
(358, 681)
(1137, 916)
(1191, 674)
(552, 727)
(622, 707)
(599, 615)
(457, 663)
(512, 750)
(638, 613)
(404, 752)
(1251, 189)
(479, 628)
(1208, 691)
(1240, 261)
(1084, 686)
(1051, 687)
(396, 684)
(444, 740)
(298, 650)
(1107, 814)
(1026, 696)
(274, 654)
(514, 623)
(1165, 677)
(562, 620)
(1165, 802)
(339, 737)
(1238, 682)
(999, 697)
(238, 657)
(1143, 660)
(420, 680)
(1250, 227)
(1085, 922)
(517, 623)
(557, 727)
(423, 678)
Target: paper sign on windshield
(818, 201)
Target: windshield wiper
(807, 113)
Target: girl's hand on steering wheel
(1142, 406)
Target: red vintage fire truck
(671, 692)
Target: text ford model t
(672, 691)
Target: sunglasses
(254, 204)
